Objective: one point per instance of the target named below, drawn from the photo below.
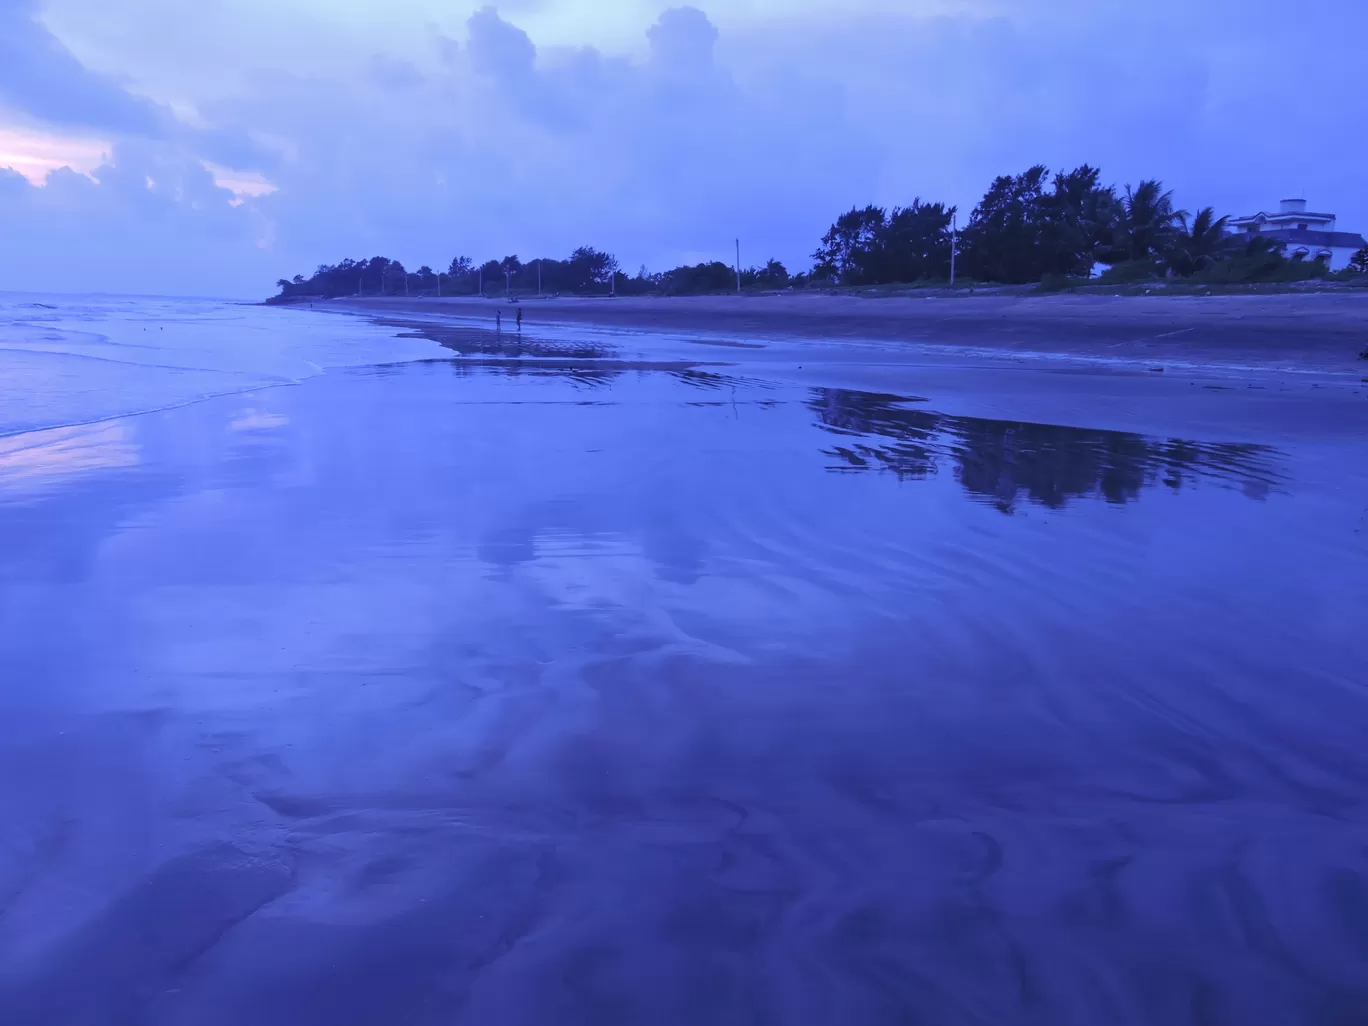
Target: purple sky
(214, 147)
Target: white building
(1302, 233)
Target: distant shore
(1319, 331)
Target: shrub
(1259, 268)
(1130, 271)
(1055, 282)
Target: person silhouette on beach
(498, 320)
(520, 318)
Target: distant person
(498, 320)
(520, 318)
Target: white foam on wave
(73, 360)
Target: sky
(164, 147)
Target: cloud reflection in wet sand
(36, 460)
(257, 420)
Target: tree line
(586, 271)
(1035, 227)
(1054, 229)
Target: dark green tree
(871, 246)
(700, 279)
(914, 244)
(589, 268)
(1146, 221)
(774, 275)
(1197, 243)
(489, 277)
(395, 278)
(1003, 240)
(1023, 230)
(846, 249)
(1078, 214)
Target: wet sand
(595, 676)
(1316, 330)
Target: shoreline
(1315, 332)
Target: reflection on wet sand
(999, 461)
(257, 420)
(36, 459)
(525, 688)
(517, 353)
(512, 344)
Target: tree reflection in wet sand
(1002, 461)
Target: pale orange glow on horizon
(34, 154)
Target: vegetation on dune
(1032, 228)
(1027, 226)
(872, 246)
(586, 272)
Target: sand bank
(1316, 331)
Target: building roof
(1298, 215)
(1308, 237)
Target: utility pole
(508, 282)
(954, 234)
(482, 281)
(439, 284)
(359, 280)
(738, 267)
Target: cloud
(683, 40)
(504, 147)
(39, 77)
(150, 220)
(470, 132)
(1173, 90)
(34, 153)
(43, 83)
(497, 49)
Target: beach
(1312, 330)
(674, 662)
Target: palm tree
(1146, 220)
(1196, 245)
